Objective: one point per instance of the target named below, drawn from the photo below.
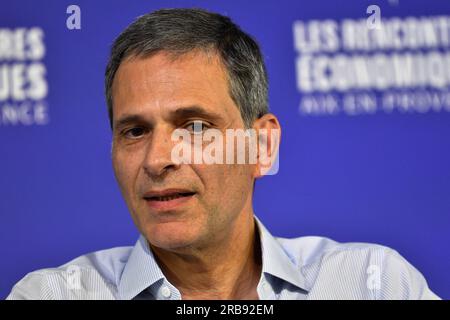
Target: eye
(197, 127)
(134, 133)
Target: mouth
(170, 196)
(168, 199)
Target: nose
(158, 160)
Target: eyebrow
(178, 113)
(128, 119)
(196, 111)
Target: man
(191, 70)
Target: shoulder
(355, 270)
(313, 249)
(94, 275)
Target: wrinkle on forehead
(164, 79)
(168, 59)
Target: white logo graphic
(371, 65)
(23, 83)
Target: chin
(170, 235)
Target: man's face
(152, 97)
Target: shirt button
(165, 291)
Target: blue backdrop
(364, 160)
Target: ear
(269, 134)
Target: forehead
(159, 84)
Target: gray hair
(180, 31)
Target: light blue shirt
(292, 269)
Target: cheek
(225, 183)
(125, 169)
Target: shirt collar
(142, 271)
(276, 261)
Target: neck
(228, 269)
